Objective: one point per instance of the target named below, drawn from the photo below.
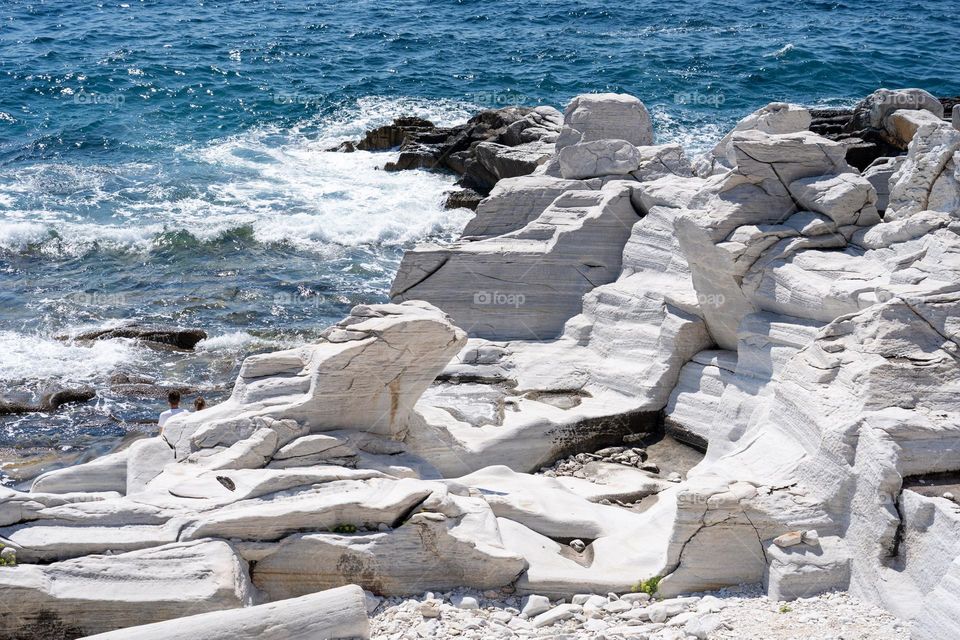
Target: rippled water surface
(165, 161)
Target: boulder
(106, 473)
(335, 613)
(527, 283)
(874, 110)
(364, 374)
(501, 161)
(928, 179)
(775, 118)
(598, 158)
(902, 124)
(96, 594)
(179, 337)
(605, 116)
(845, 198)
(451, 542)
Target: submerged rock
(179, 337)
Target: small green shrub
(7, 562)
(648, 586)
(785, 608)
(345, 528)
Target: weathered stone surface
(96, 594)
(879, 174)
(355, 503)
(365, 374)
(775, 118)
(106, 473)
(928, 179)
(335, 613)
(515, 202)
(598, 158)
(145, 460)
(605, 116)
(454, 541)
(756, 192)
(527, 283)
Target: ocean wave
(281, 185)
(236, 342)
(782, 52)
(35, 358)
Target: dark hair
(173, 397)
(199, 403)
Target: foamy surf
(33, 358)
(282, 184)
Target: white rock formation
(776, 117)
(339, 613)
(102, 593)
(874, 110)
(605, 116)
(928, 179)
(762, 310)
(598, 158)
(526, 283)
(364, 375)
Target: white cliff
(774, 308)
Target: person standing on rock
(199, 404)
(173, 398)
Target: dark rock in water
(8, 407)
(150, 391)
(50, 401)
(179, 337)
(463, 198)
(494, 144)
(60, 397)
(395, 134)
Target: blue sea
(164, 160)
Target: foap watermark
(497, 99)
(301, 99)
(499, 299)
(301, 298)
(711, 299)
(700, 99)
(98, 299)
(91, 97)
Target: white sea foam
(281, 183)
(782, 51)
(236, 341)
(36, 358)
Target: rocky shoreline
(636, 377)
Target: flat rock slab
(332, 614)
(96, 594)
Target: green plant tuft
(785, 608)
(345, 528)
(648, 586)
